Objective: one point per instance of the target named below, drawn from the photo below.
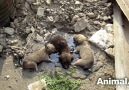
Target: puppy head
(65, 59)
(49, 48)
(79, 38)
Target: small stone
(50, 19)
(38, 85)
(105, 18)
(109, 28)
(39, 38)
(54, 30)
(28, 30)
(9, 30)
(91, 15)
(77, 2)
(14, 41)
(110, 52)
(7, 76)
(1, 48)
(40, 12)
(80, 25)
(74, 19)
(97, 23)
(49, 2)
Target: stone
(102, 39)
(80, 25)
(7, 76)
(15, 41)
(38, 85)
(77, 2)
(39, 38)
(1, 48)
(9, 30)
(49, 2)
(110, 52)
(50, 19)
(91, 15)
(40, 12)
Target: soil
(34, 24)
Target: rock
(28, 30)
(49, 2)
(9, 30)
(39, 38)
(7, 77)
(15, 41)
(38, 85)
(110, 52)
(91, 15)
(74, 19)
(40, 12)
(50, 19)
(102, 39)
(80, 25)
(77, 2)
(97, 23)
(54, 31)
(1, 48)
(109, 28)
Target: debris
(39, 38)
(50, 19)
(9, 30)
(80, 25)
(77, 2)
(49, 2)
(15, 41)
(91, 15)
(38, 85)
(40, 12)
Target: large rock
(80, 25)
(102, 39)
(9, 30)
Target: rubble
(40, 12)
(39, 38)
(9, 30)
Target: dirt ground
(33, 25)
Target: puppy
(31, 60)
(62, 47)
(86, 57)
